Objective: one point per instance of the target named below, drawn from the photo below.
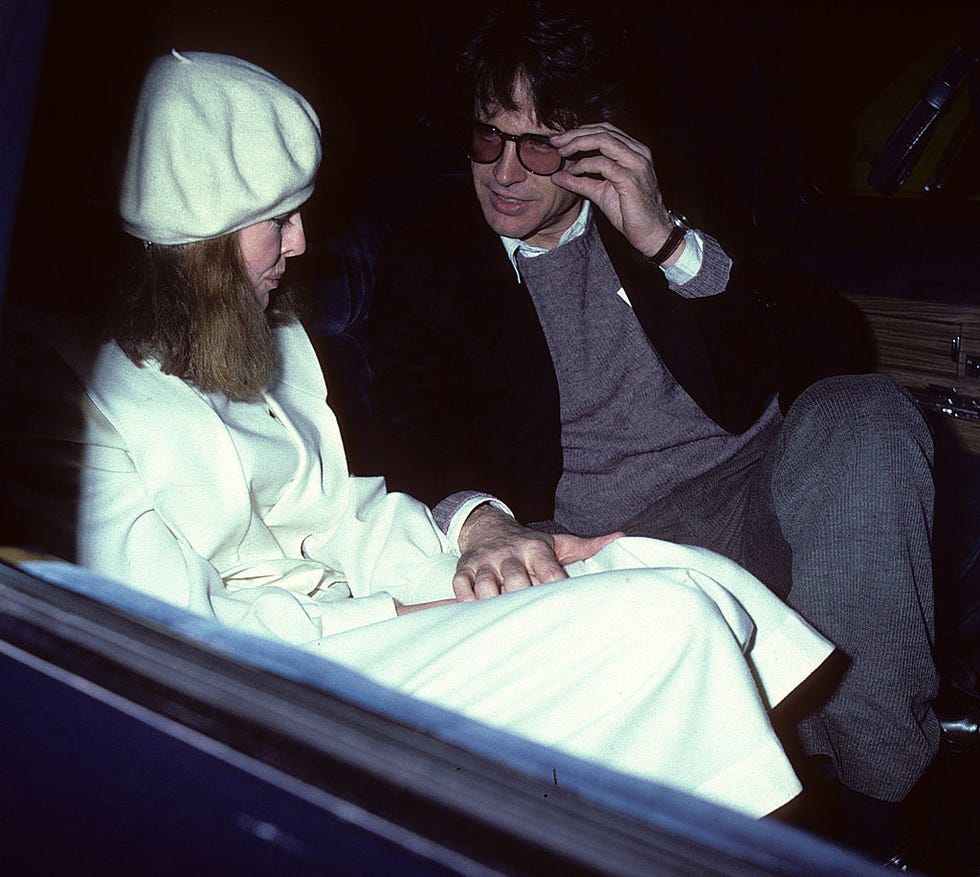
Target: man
(574, 349)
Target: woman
(215, 478)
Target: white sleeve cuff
(689, 263)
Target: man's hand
(615, 172)
(498, 555)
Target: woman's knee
(645, 601)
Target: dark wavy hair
(571, 59)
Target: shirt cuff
(689, 263)
(713, 272)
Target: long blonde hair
(192, 309)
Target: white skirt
(654, 659)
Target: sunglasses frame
(516, 139)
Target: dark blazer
(464, 392)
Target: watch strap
(670, 245)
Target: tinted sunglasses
(484, 144)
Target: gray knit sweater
(630, 433)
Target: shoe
(958, 711)
(961, 733)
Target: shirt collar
(513, 246)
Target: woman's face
(265, 247)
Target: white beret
(217, 144)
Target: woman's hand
(408, 608)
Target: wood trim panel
(923, 343)
(918, 352)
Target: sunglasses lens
(484, 144)
(539, 156)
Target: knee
(853, 448)
(639, 601)
(859, 417)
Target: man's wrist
(668, 253)
(462, 506)
(472, 520)
(671, 249)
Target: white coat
(166, 507)
(655, 659)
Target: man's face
(515, 202)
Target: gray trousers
(832, 508)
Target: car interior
(137, 736)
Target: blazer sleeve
(771, 331)
(422, 437)
(463, 390)
(813, 332)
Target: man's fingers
(538, 566)
(489, 580)
(569, 549)
(511, 573)
(463, 586)
(612, 143)
(513, 576)
(547, 568)
(587, 187)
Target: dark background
(750, 110)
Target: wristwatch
(673, 241)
